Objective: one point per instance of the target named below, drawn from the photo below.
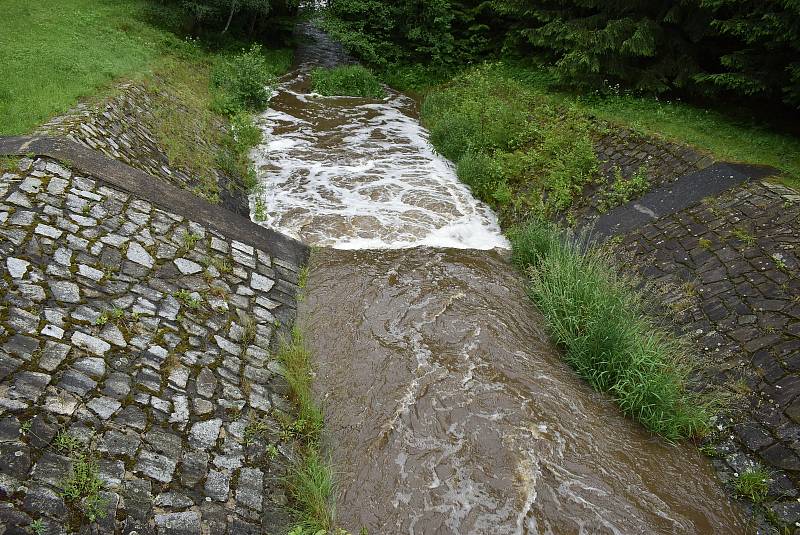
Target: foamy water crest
(353, 173)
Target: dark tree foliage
(757, 48)
(733, 48)
(241, 16)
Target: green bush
(348, 80)
(244, 81)
(511, 145)
(598, 317)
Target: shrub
(509, 143)
(598, 317)
(244, 80)
(348, 80)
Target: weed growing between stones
(249, 331)
(38, 527)
(347, 80)
(189, 299)
(599, 318)
(622, 189)
(81, 489)
(188, 241)
(745, 236)
(753, 484)
(114, 315)
(310, 481)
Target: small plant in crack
(188, 241)
(249, 331)
(114, 315)
(753, 484)
(67, 444)
(82, 488)
(38, 527)
(220, 264)
(188, 298)
(744, 235)
(256, 428)
(709, 450)
(780, 263)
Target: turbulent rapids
(354, 173)
(447, 410)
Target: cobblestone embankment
(124, 126)
(137, 345)
(734, 264)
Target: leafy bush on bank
(599, 318)
(348, 80)
(243, 81)
(518, 150)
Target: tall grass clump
(310, 481)
(598, 316)
(347, 80)
(518, 150)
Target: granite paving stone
(96, 343)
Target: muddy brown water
(447, 410)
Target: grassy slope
(52, 57)
(723, 136)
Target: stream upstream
(447, 409)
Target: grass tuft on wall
(599, 318)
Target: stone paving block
(151, 394)
(739, 302)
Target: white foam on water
(353, 173)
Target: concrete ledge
(676, 196)
(158, 192)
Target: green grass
(296, 358)
(348, 80)
(724, 136)
(53, 55)
(184, 92)
(310, 481)
(598, 317)
(753, 484)
(311, 485)
(522, 152)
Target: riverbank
(739, 324)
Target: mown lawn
(56, 52)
